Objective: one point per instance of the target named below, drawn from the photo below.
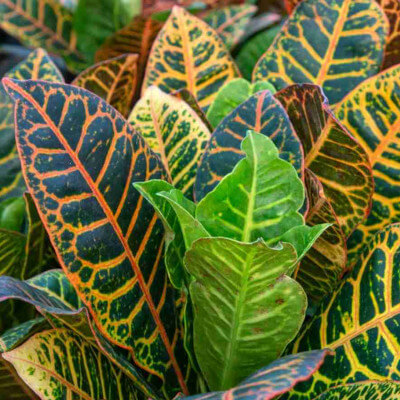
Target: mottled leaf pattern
(236, 281)
(174, 132)
(324, 264)
(58, 364)
(189, 54)
(80, 160)
(113, 80)
(12, 252)
(339, 162)
(360, 321)
(38, 65)
(230, 22)
(43, 23)
(261, 113)
(371, 113)
(273, 380)
(335, 44)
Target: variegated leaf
(371, 113)
(335, 44)
(261, 113)
(230, 22)
(114, 80)
(38, 65)
(174, 132)
(360, 322)
(189, 54)
(43, 23)
(340, 163)
(80, 159)
(58, 364)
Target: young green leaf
(12, 214)
(231, 95)
(246, 308)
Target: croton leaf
(324, 264)
(359, 321)
(335, 44)
(113, 80)
(43, 23)
(230, 22)
(137, 37)
(12, 253)
(231, 95)
(275, 379)
(12, 214)
(261, 113)
(175, 132)
(54, 296)
(189, 54)
(80, 159)
(371, 113)
(58, 364)
(340, 163)
(231, 278)
(37, 65)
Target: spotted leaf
(80, 159)
(275, 379)
(189, 54)
(261, 113)
(340, 163)
(230, 22)
(174, 132)
(335, 44)
(359, 322)
(371, 113)
(113, 80)
(38, 65)
(43, 23)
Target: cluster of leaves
(210, 208)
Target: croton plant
(209, 209)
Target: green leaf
(38, 65)
(246, 309)
(261, 113)
(259, 199)
(58, 364)
(111, 242)
(251, 50)
(231, 95)
(12, 253)
(173, 131)
(335, 45)
(230, 22)
(275, 379)
(12, 214)
(359, 321)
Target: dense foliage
(210, 208)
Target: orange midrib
(117, 230)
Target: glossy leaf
(174, 132)
(359, 322)
(273, 380)
(230, 22)
(232, 95)
(43, 23)
(110, 243)
(198, 62)
(371, 113)
(12, 214)
(340, 163)
(335, 44)
(236, 339)
(59, 364)
(137, 37)
(261, 113)
(324, 264)
(113, 80)
(37, 65)
(253, 48)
